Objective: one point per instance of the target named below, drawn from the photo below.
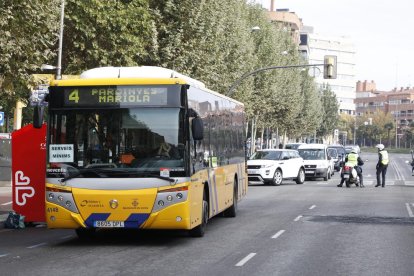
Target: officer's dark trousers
(381, 170)
(361, 180)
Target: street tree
(108, 33)
(330, 116)
(28, 31)
(309, 118)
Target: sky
(382, 32)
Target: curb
(2, 220)
(5, 183)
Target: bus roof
(146, 75)
(129, 76)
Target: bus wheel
(199, 230)
(85, 233)
(231, 212)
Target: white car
(318, 163)
(275, 165)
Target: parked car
(294, 146)
(275, 165)
(318, 164)
(333, 154)
(348, 148)
(338, 162)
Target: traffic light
(329, 67)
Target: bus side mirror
(38, 112)
(197, 128)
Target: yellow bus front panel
(153, 208)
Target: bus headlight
(169, 197)
(61, 197)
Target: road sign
(1, 118)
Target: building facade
(343, 48)
(399, 102)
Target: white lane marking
(7, 203)
(298, 218)
(3, 255)
(278, 234)
(5, 230)
(410, 212)
(67, 237)
(246, 259)
(36, 245)
(398, 173)
(313, 206)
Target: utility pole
(59, 65)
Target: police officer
(353, 159)
(382, 164)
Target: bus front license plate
(109, 224)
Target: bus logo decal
(113, 203)
(22, 190)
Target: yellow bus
(141, 147)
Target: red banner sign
(28, 172)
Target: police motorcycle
(350, 174)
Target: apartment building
(399, 101)
(313, 47)
(344, 49)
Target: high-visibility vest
(384, 155)
(353, 159)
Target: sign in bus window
(116, 96)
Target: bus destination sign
(115, 95)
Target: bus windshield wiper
(82, 171)
(145, 174)
(98, 172)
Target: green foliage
(107, 33)
(28, 31)
(309, 117)
(330, 116)
(209, 40)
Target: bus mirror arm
(39, 99)
(38, 112)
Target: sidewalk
(5, 188)
(5, 183)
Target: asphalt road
(310, 229)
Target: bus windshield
(122, 142)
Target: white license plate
(109, 224)
(308, 171)
(252, 171)
(346, 176)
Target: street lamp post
(58, 68)
(396, 124)
(59, 65)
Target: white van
(318, 164)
